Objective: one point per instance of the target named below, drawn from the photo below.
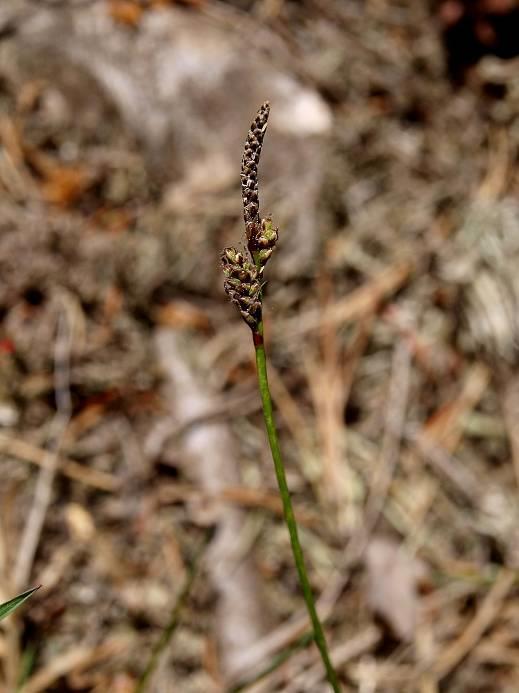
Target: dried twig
(78, 657)
(43, 492)
(33, 454)
(484, 617)
(390, 451)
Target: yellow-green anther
(264, 255)
(269, 233)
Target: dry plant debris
(393, 173)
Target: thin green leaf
(12, 604)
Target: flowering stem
(243, 283)
(288, 511)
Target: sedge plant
(243, 271)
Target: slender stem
(288, 511)
(171, 627)
(277, 661)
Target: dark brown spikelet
(242, 285)
(249, 175)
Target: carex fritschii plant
(243, 271)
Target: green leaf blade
(8, 607)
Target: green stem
(277, 661)
(169, 630)
(288, 511)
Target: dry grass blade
(390, 451)
(510, 404)
(237, 495)
(28, 452)
(79, 657)
(446, 425)
(356, 305)
(43, 492)
(485, 616)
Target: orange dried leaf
(60, 184)
(125, 12)
(65, 185)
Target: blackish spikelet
(242, 285)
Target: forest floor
(136, 477)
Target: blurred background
(132, 447)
